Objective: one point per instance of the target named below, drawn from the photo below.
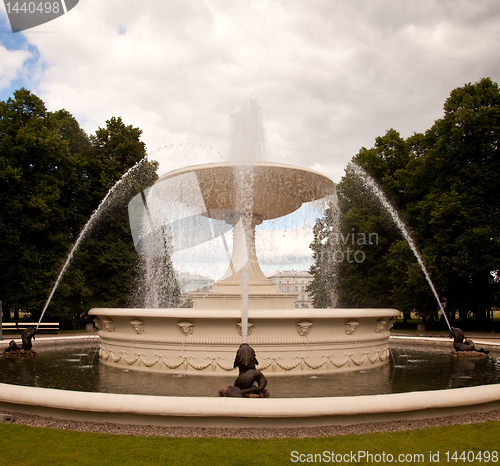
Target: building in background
(292, 281)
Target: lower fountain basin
(273, 412)
(204, 341)
(411, 367)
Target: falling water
(247, 144)
(86, 229)
(245, 178)
(370, 183)
(329, 269)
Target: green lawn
(21, 445)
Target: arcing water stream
(86, 229)
(370, 183)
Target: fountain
(242, 307)
(203, 339)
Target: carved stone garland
(272, 363)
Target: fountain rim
(238, 412)
(206, 166)
(236, 313)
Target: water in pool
(411, 368)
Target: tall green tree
(37, 197)
(367, 233)
(52, 177)
(324, 287)
(445, 185)
(453, 202)
(103, 270)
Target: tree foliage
(446, 187)
(324, 286)
(52, 177)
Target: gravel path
(253, 433)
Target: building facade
(292, 281)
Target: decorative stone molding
(390, 323)
(273, 363)
(109, 324)
(98, 323)
(186, 327)
(380, 325)
(138, 326)
(329, 361)
(235, 340)
(161, 361)
(249, 329)
(284, 343)
(350, 326)
(303, 328)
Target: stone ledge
(247, 412)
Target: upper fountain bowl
(276, 189)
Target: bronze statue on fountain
(244, 386)
(464, 347)
(26, 348)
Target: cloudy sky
(329, 75)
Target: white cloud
(329, 75)
(11, 65)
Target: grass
(22, 445)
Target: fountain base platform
(204, 341)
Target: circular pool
(411, 368)
(419, 382)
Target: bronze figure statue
(26, 337)
(13, 347)
(246, 362)
(26, 347)
(461, 344)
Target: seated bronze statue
(26, 337)
(461, 344)
(244, 386)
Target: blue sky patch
(29, 76)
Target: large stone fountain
(244, 306)
(197, 205)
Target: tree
(323, 287)
(106, 262)
(37, 188)
(452, 190)
(52, 177)
(367, 233)
(445, 185)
